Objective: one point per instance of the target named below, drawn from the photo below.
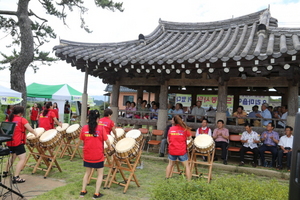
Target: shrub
(226, 188)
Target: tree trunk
(20, 64)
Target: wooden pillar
(222, 102)
(139, 93)
(84, 99)
(194, 97)
(156, 98)
(149, 95)
(284, 98)
(115, 101)
(293, 104)
(163, 108)
(236, 100)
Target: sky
(139, 16)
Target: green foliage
(225, 188)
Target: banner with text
(248, 101)
(10, 100)
(212, 100)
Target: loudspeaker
(294, 193)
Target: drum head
(119, 132)
(125, 144)
(30, 136)
(111, 140)
(39, 131)
(135, 133)
(72, 128)
(48, 135)
(203, 141)
(64, 127)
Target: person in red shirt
(47, 118)
(16, 145)
(55, 110)
(108, 124)
(34, 114)
(8, 110)
(177, 137)
(93, 136)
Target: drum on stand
(135, 134)
(35, 140)
(73, 131)
(106, 149)
(126, 148)
(50, 139)
(120, 134)
(204, 143)
(189, 144)
(63, 129)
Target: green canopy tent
(57, 93)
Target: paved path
(34, 186)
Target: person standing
(221, 137)
(17, 145)
(34, 115)
(286, 147)
(177, 137)
(8, 110)
(55, 110)
(108, 124)
(47, 118)
(93, 137)
(270, 139)
(250, 139)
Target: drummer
(108, 124)
(16, 146)
(93, 136)
(177, 137)
(47, 118)
(204, 129)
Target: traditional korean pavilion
(226, 56)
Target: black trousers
(245, 149)
(223, 146)
(264, 148)
(288, 157)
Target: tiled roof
(176, 46)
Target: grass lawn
(153, 172)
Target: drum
(127, 148)
(204, 143)
(63, 129)
(50, 139)
(73, 131)
(120, 134)
(135, 134)
(189, 144)
(34, 140)
(111, 140)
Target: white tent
(9, 96)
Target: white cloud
(140, 16)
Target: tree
(29, 32)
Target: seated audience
(270, 139)
(164, 141)
(204, 129)
(143, 108)
(250, 139)
(286, 146)
(284, 110)
(221, 137)
(178, 109)
(240, 114)
(265, 114)
(254, 122)
(198, 111)
(154, 110)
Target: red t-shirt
(177, 140)
(19, 136)
(93, 148)
(47, 121)
(107, 123)
(34, 113)
(55, 112)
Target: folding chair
(155, 142)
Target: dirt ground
(34, 186)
